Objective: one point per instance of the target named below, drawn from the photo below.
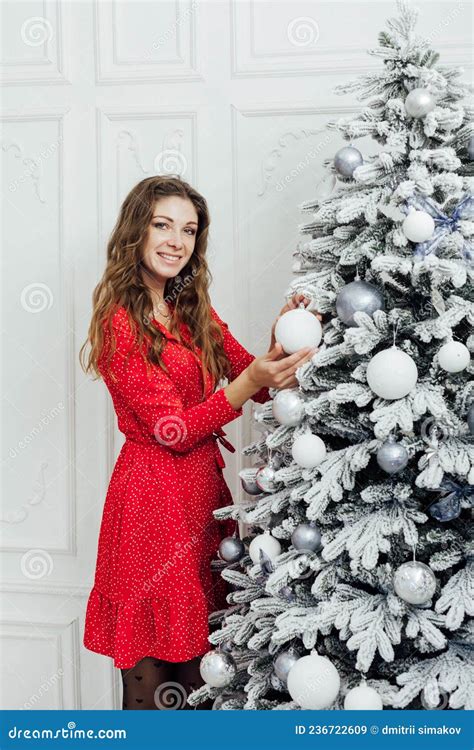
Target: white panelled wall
(98, 95)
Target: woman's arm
(156, 402)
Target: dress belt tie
(218, 435)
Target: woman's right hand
(275, 369)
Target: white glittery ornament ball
(454, 356)
(297, 329)
(414, 582)
(418, 226)
(363, 698)
(217, 668)
(392, 373)
(313, 682)
(288, 407)
(267, 543)
(308, 450)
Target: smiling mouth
(170, 258)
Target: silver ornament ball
(231, 549)
(265, 479)
(414, 582)
(470, 148)
(306, 538)
(250, 486)
(284, 662)
(392, 457)
(217, 668)
(358, 296)
(346, 160)
(419, 102)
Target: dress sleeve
(238, 357)
(154, 399)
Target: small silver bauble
(250, 486)
(306, 537)
(346, 160)
(288, 407)
(217, 668)
(392, 457)
(414, 582)
(231, 549)
(265, 479)
(358, 296)
(284, 662)
(419, 102)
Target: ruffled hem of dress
(127, 631)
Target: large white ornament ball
(418, 226)
(267, 543)
(217, 668)
(297, 329)
(363, 698)
(392, 373)
(313, 682)
(454, 356)
(288, 407)
(308, 450)
(414, 582)
(419, 102)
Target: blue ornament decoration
(453, 497)
(444, 224)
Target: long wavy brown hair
(122, 286)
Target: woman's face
(171, 237)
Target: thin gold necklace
(157, 310)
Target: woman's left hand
(292, 304)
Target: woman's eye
(163, 224)
(160, 224)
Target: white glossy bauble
(288, 407)
(454, 356)
(392, 373)
(308, 450)
(419, 102)
(297, 329)
(418, 226)
(267, 543)
(313, 682)
(363, 698)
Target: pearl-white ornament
(392, 373)
(265, 479)
(414, 582)
(313, 682)
(288, 407)
(297, 329)
(267, 543)
(363, 698)
(308, 450)
(419, 102)
(454, 356)
(418, 226)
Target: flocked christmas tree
(356, 587)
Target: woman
(162, 349)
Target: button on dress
(154, 588)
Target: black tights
(156, 684)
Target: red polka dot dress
(153, 587)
